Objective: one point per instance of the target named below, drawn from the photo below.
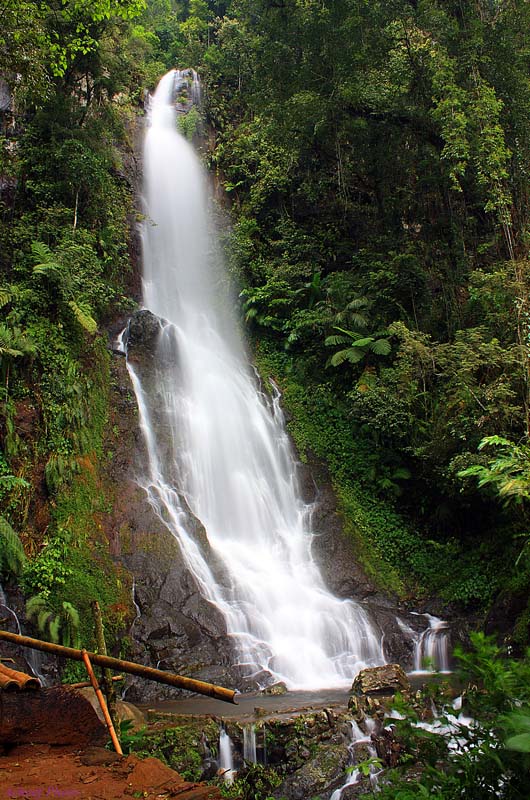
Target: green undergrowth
(179, 746)
(391, 548)
(72, 566)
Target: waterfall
(431, 649)
(226, 757)
(358, 737)
(249, 744)
(218, 452)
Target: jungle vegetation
(375, 160)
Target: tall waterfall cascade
(221, 458)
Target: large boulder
(318, 775)
(143, 333)
(385, 680)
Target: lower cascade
(249, 744)
(355, 774)
(432, 647)
(220, 471)
(226, 757)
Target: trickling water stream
(226, 757)
(249, 744)
(217, 447)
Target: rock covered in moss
(385, 680)
(318, 774)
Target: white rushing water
(226, 757)
(358, 737)
(217, 446)
(249, 744)
(431, 650)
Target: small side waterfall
(249, 744)
(34, 659)
(226, 757)
(431, 651)
(218, 452)
(358, 737)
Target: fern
(83, 314)
(55, 626)
(6, 295)
(12, 556)
(46, 263)
(332, 341)
(381, 347)
(62, 627)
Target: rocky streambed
(293, 746)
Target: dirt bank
(43, 772)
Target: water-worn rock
(143, 333)
(318, 774)
(276, 689)
(385, 680)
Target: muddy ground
(44, 772)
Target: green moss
(179, 746)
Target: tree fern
(46, 264)
(381, 347)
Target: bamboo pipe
(86, 684)
(7, 684)
(158, 675)
(102, 703)
(21, 680)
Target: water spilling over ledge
(221, 474)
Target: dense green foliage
(65, 208)
(375, 157)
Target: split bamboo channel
(130, 667)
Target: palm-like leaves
(508, 473)
(14, 343)
(359, 346)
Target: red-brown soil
(43, 772)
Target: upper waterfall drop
(218, 452)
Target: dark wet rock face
(176, 627)
(143, 333)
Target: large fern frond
(381, 347)
(12, 556)
(335, 339)
(83, 314)
(34, 606)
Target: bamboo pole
(102, 703)
(179, 681)
(86, 684)
(108, 686)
